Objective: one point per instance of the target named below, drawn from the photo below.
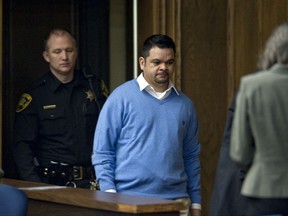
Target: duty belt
(80, 172)
(65, 171)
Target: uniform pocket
(53, 122)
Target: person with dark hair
(56, 119)
(259, 138)
(146, 139)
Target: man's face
(61, 54)
(158, 67)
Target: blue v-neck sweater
(149, 147)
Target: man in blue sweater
(146, 140)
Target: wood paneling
(272, 13)
(243, 34)
(250, 24)
(204, 78)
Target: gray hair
(276, 49)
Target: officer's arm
(25, 134)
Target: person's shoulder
(126, 86)
(249, 79)
(38, 83)
(30, 92)
(184, 96)
(258, 78)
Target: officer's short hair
(57, 32)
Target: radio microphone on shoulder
(87, 71)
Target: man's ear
(141, 62)
(46, 56)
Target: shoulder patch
(104, 89)
(25, 100)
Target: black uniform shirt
(56, 122)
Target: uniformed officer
(56, 118)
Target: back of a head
(157, 40)
(276, 49)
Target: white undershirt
(143, 84)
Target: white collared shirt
(143, 84)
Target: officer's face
(158, 67)
(61, 54)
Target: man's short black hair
(157, 40)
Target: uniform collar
(55, 83)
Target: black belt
(69, 172)
(80, 172)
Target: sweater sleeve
(191, 159)
(106, 133)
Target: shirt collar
(143, 84)
(55, 83)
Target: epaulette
(101, 85)
(26, 97)
(104, 89)
(38, 83)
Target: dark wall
(93, 30)
(25, 24)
